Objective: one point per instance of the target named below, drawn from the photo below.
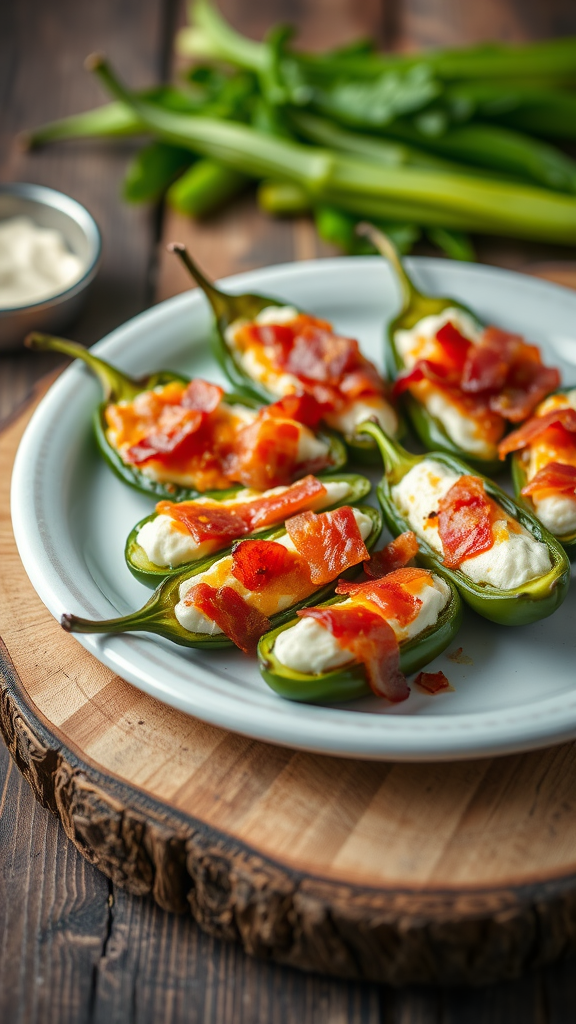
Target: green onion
(205, 187)
(430, 198)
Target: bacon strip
(395, 555)
(328, 365)
(527, 385)
(432, 682)
(488, 363)
(389, 594)
(330, 543)
(371, 640)
(501, 373)
(318, 354)
(555, 478)
(303, 408)
(222, 523)
(160, 444)
(465, 521)
(240, 622)
(260, 564)
(455, 346)
(262, 511)
(265, 453)
(530, 431)
(206, 522)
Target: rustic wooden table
(73, 948)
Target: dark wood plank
(53, 912)
(558, 996)
(158, 967)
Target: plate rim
(373, 736)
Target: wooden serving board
(398, 873)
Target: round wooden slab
(397, 873)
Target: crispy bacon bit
(371, 640)
(163, 444)
(259, 563)
(321, 355)
(527, 385)
(240, 622)
(266, 453)
(465, 521)
(488, 363)
(206, 522)
(395, 555)
(192, 434)
(432, 682)
(329, 367)
(276, 507)
(455, 346)
(303, 408)
(512, 370)
(500, 374)
(425, 369)
(201, 395)
(530, 431)
(389, 594)
(330, 542)
(555, 478)
(277, 338)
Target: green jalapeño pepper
(118, 387)
(520, 479)
(519, 606)
(229, 308)
(150, 574)
(416, 306)
(158, 614)
(350, 681)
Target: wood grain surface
(74, 946)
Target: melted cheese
(515, 557)
(257, 366)
(129, 422)
(311, 648)
(219, 575)
(479, 436)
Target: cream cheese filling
(515, 558)
(419, 343)
(557, 512)
(309, 647)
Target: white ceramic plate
(71, 515)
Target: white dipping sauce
(34, 263)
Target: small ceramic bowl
(50, 209)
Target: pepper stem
(115, 384)
(149, 619)
(393, 454)
(218, 300)
(388, 250)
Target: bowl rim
(43, 195)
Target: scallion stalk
(409, 194)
